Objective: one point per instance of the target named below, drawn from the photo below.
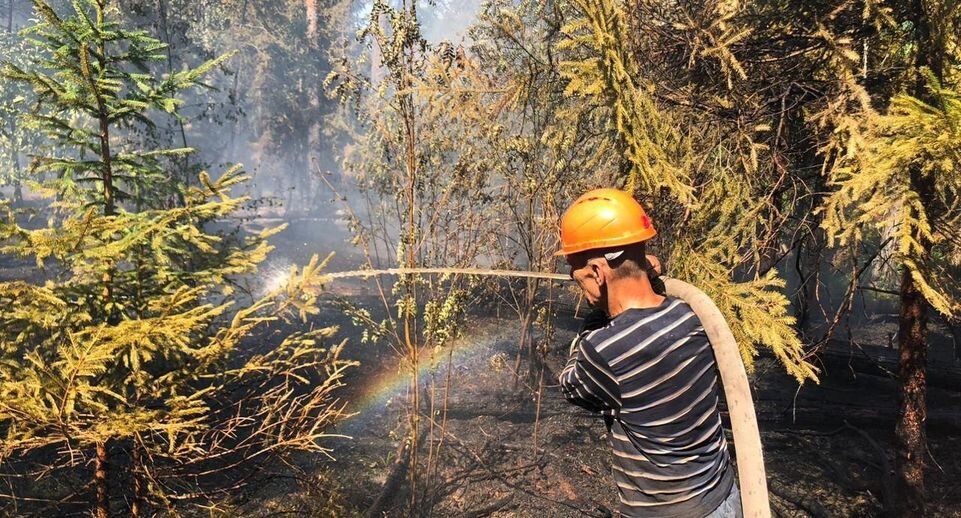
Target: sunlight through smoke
(276, 275)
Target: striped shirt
(651, 373)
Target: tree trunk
(103, 116)
(106, 157)
(311, 7)
(910, 430)
(108, 191)
(10, 16)
(811, 254)
(136, 473)
(236, 95)
(409, 117)
(100, 481)
(910, 433)
(955, 337)
(104, 120)
(185, 158)
(15, 157)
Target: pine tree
(16, 141)
(900, 179)
(720, 229)
(133, 350)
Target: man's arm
(586, 380)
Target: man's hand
(654, 264)
(596, 319)
(654, 275)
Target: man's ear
(597, 271)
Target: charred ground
(498, 451)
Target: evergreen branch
(650, 141)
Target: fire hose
(737, 390)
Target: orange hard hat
(603, 218)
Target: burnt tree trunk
(910, 430)
(910, 433)
(102, 509)
(810, 249)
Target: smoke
(448, 20)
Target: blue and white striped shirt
(651, 372)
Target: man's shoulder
(633, 323)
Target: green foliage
(68, 378)
(723, 221)
(529, 116)
(418, 173)
(275, 103)
(138, 337)
(607, 75)
(874, 190)
(16, 140)
(90, 87)
(720, 233)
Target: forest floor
(499, 454)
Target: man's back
(652, 373)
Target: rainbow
(390, 383)
(393, 382)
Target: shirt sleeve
(587, 381)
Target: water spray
(449, 271)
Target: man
(646, 365)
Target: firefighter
(643, 361)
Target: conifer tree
(899, 178)
(16, 141)
(133, 349)
(720, 230)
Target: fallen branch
(887, 473)
(395, 477)
(490, 509)
(802, 502)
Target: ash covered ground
(825, 450)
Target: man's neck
(631, 293)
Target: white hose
(737, 392)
